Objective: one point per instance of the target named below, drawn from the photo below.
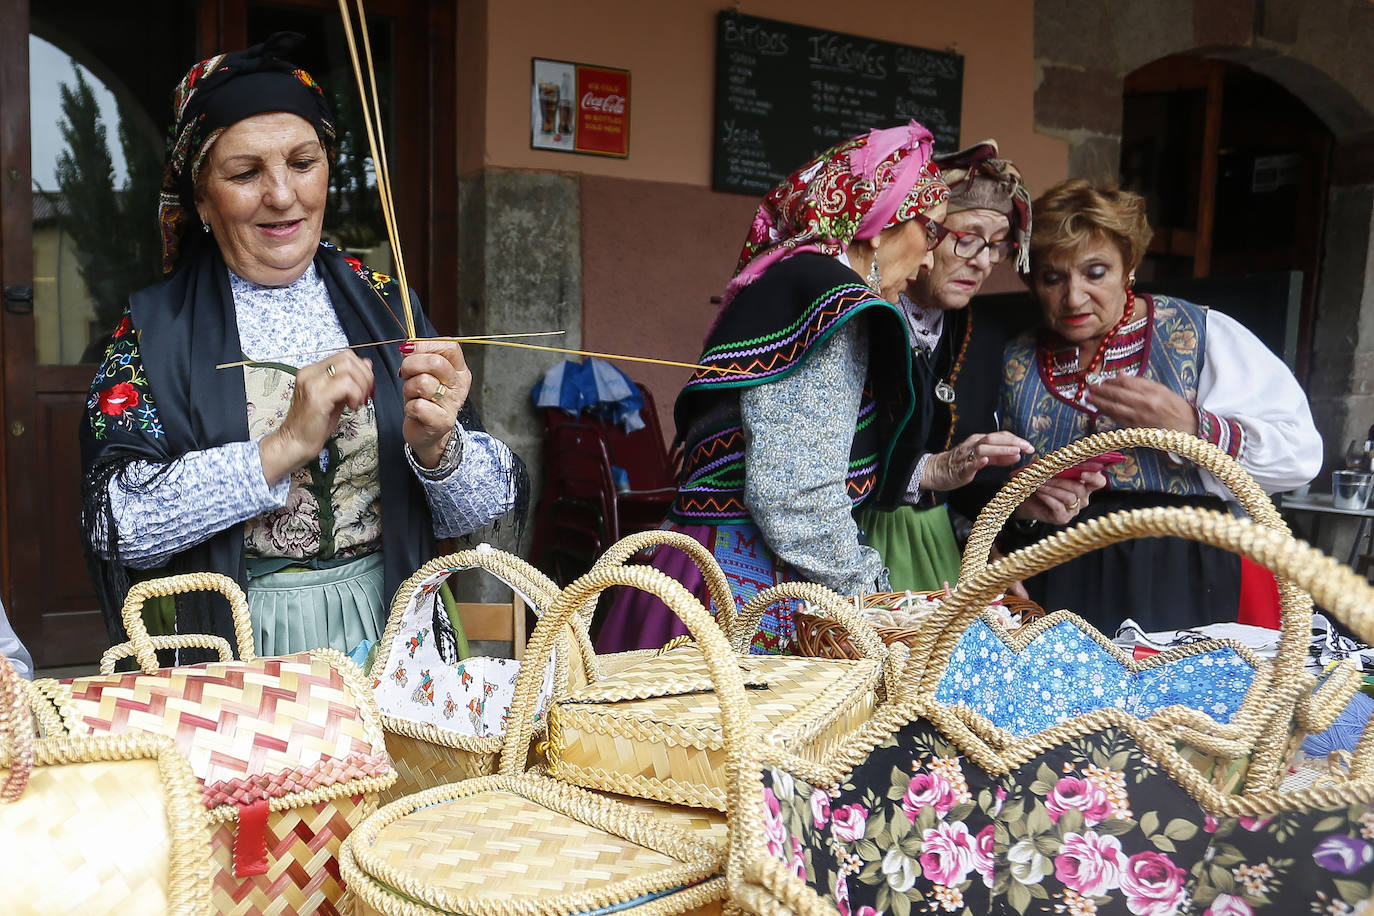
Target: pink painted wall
(669, 48)
(657, 243)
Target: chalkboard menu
(785, 92)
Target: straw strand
(378, 153)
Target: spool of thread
(1345, 732)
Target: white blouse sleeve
(1244, 382)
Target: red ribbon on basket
(250, 842)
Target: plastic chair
(578, 515)
(650, 467)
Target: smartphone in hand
(1092, 465)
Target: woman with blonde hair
(1106, 358)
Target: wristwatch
(453, 454)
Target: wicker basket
(452, 729)
(289, 751)
(1259, 736)
(1161, 809)
(96, 825)
(652, 730)
(522, 843)
(825, 637)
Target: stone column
(520, 269)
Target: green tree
(115, 232)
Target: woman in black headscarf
(316, 478)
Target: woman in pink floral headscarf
(792, 436)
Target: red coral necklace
(1089, 374)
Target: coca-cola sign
(611, 104)
(579, 109)
(603, 114)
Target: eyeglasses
(935, 232)
(968, 246)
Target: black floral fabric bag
(934, 809)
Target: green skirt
(295, 610)
(917, 546)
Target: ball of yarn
(1345, 732)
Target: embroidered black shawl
(183, 328)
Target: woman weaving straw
(319, 482)
(812, 384)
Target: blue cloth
(13, 649)
(1064, 673)
(593, 385)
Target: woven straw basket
(444, 721)
(96, 825)
(1210, 845)
(1253, 748)
(652, 729)
(288, 751)
(824, 637)
(522, 843)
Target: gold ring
(329, 368)
(1075, 505)
(439, 393)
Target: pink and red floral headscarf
(851, 191)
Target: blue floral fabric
(1063, 673)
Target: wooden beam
(1207, 184)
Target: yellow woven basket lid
(674, 690)
(526, 844)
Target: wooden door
(65, 284)
(82, 96)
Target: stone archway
(1317, 50)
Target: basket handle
(862, 633)
(1295, 604)
(722, 597)
(1347, 596)
(537, 589)
(142, 646)
(188, 641)
(1024, 484)
(16, 732)
(722, 662)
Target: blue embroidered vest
(1175, 339)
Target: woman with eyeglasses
(956, 358)
(1108, 358)
(809, 384)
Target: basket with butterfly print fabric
(444, 719)
(652, 730)
(932, 808)
(524, 843)
(288, 751)
(96, 825)
(1250, 734)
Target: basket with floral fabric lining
(959, 800)
(1271, 703)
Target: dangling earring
(1130, 280)
(875, 276)
(205, 227)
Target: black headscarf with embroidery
(216, 94)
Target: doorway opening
(1234, 170)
